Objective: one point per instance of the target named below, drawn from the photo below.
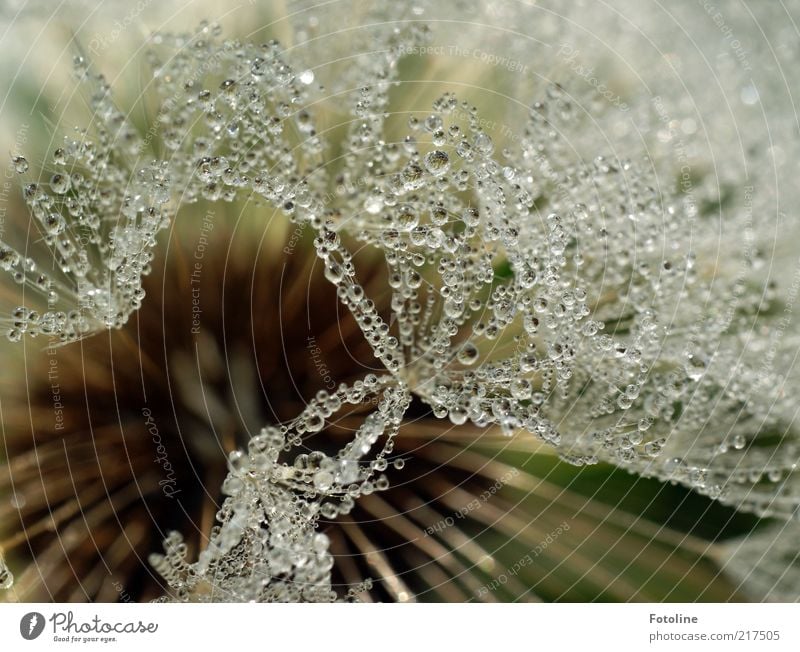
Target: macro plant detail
(539, 283)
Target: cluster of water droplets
(266, 546)
(537, 291)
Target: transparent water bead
(695, 366)
(437, 162)
(6, 576)
(413, 177)
(468, 354)
(739, 441)
(568, 310)
(521, 389)
(266, 547)
(483, 143)
(323, 480)
(373, 204)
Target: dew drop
(406, 218)
(54, 224)
(695, 367)
(314, 422)
(521, 389)
(59, 183)
(373, 204)
(458, 416)
(238, 462)
(20, 164)
(413, 177)
(483, 143)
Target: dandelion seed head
(540, 279)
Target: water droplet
(238, 462)
(468, 354)
(314, 422)
(471, 216)
(406, 217)
(483, 143)
(373, 204)
(521, 389)
(20, 164)
(413, 177)
(458, 416)
(54, 224)
(334, 272)
(347, 472)
(6, 576)
(323, 480)
(60, 183)
(437, 162)
(749, 95)
(695, 367)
